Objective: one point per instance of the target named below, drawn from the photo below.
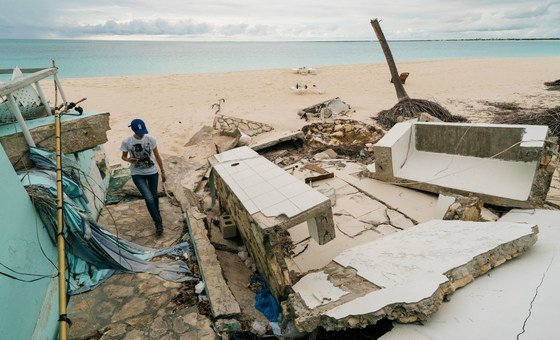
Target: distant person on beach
(140, 150)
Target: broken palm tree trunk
(406, 107)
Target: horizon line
(291, 41)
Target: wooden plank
(19, 83)
(319, 178)
(315, 168)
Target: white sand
(176, 106)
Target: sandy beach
(176, 106)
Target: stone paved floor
(137, 306)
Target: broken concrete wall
(79, 133)
(404, 276)
(508, 165)
(345, 136)
(327, 109)
(249, 127)
(266, 246)
(265, 202)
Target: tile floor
(262, 186)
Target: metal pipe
(43, 98)
(62, 329)
(57, 82)
(11, 86)
(15, 110)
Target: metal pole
(15, 110)
(57, 82)
(62, 329)
(43, 98)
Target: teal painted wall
(27, 310)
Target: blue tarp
(265, 302)
(93, 253)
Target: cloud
(161, 27)
(285, 20)
(532, 12)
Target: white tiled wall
(262, 186)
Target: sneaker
(159, 229)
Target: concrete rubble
(467, 158)
(277, 138)
(345, 136)
(87, 132)
(332, 108)
(265, 202)
(338, 228)
(249, 127)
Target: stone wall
(248, 127)
(79, 133)
(266, 246)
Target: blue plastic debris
(265, 302)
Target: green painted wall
(28, 310)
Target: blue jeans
(148, 187)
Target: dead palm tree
(406, 107)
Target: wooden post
(63, 319)
(401, 92)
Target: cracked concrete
(409, 283)
(496, 305)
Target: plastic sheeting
(265, 302)
(93, 253)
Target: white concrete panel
(410, 265)
(496, 306)
(472, 174)
(315, 289)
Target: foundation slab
(517, 300)
(409, 272)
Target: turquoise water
(87, 58)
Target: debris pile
(301, 212)
(549, 117)
(553, 85)
(346, 137)
(331, 108)
(464, 209)
(412, 108)
(249, 127)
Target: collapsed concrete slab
(518, 300)
(79, 133)
(265, 201)
(327, 109)
(507, 165)
(249, 127)
(403, 276)
(277, 138)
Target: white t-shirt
(141, 149)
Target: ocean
(94, 58)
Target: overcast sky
(278, 20)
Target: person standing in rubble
(140, 150)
